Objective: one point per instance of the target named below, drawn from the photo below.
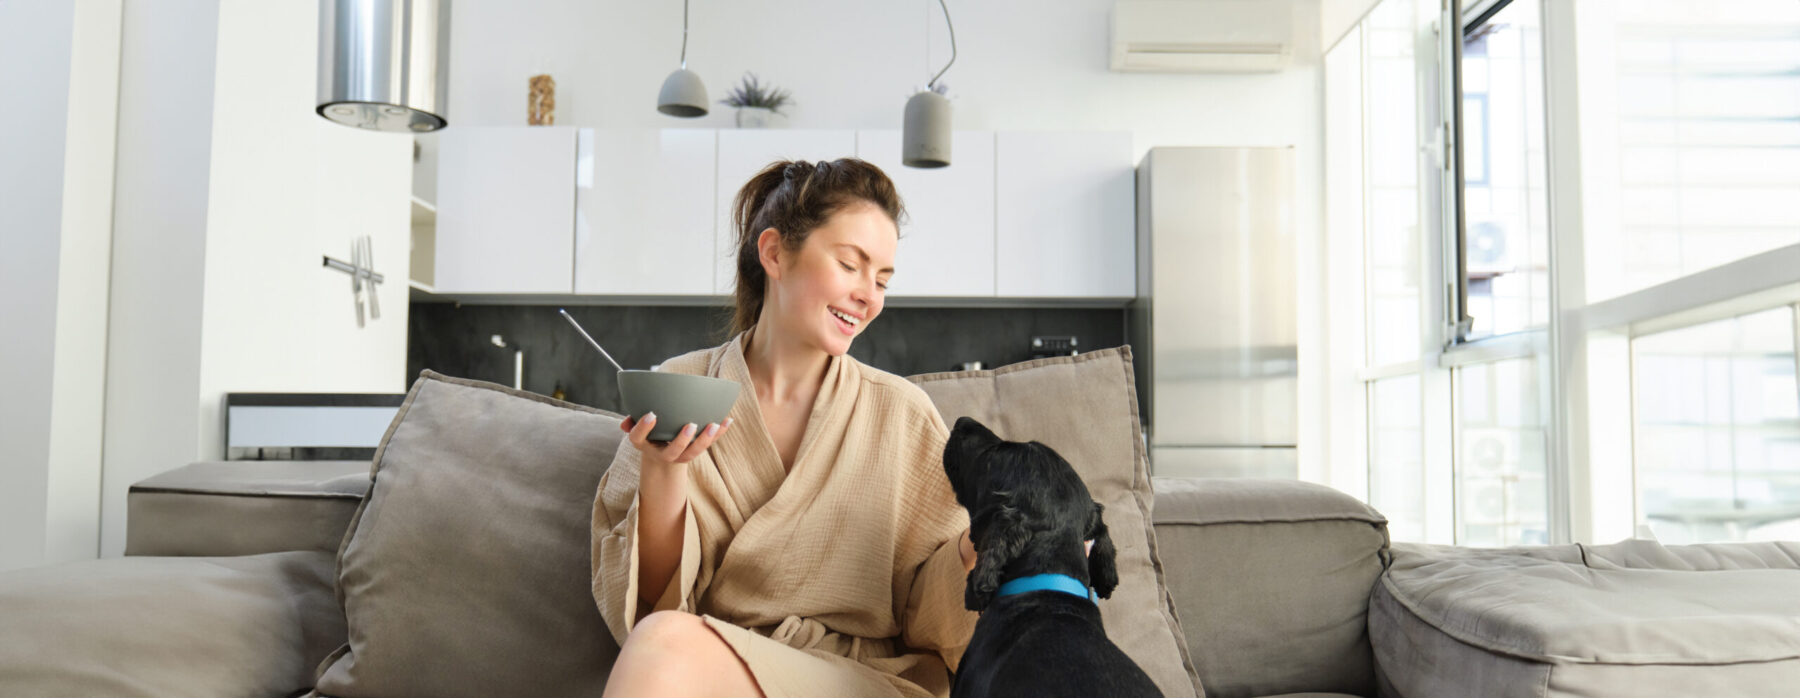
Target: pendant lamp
(926, 140)
(384, 64)
(682, 92)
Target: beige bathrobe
(840, 578)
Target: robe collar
(766, 468)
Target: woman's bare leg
(670, 653)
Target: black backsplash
(455, 339)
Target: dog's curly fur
(1030, 513)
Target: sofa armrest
(1271, 579)
(244, 507)
(256, 625)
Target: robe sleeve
(934, 617)
(613, 565)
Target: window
(1718, 430)
(1504, 252)
(1500, 454)
(1699, 106)
(1396, 463)
(1674, 129)
(1392, 134)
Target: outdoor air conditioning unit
(1202, 36)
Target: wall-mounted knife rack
(360, 269)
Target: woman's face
(843, 266)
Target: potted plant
(758, 106)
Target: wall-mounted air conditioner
(1202, 36)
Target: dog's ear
(974, 430)
(1103, 573)
(1002, 539)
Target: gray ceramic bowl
(677, 399)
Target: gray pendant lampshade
(926, 141)
(682, 92)
(384, 64)
(927, 136)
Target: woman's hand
(687, 445)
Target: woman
(817, 549)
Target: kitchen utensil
(678, 399)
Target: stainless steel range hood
(384, 64)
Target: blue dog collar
(1047, 582)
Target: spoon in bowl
(571, 318)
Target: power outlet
(1054, 344)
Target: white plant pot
(759, 117)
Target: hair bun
(798, 169)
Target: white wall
(230, 189)
(60, 59)
(1020, 65)
(287, 187)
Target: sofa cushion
(1272, 579)
(244, 507)
(1634, 618)
(463, 573)
(253, 625)
(1085, 407)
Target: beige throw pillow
(1085, 407)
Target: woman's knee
(669, 630)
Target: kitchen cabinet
(743, 153)
(947, 239)
(644, 216)
(646, 213)
(505, 210)
(1064, 207)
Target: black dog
(1029, 516)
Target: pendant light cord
(933, 84)
(684, 25)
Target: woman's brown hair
(795, 197)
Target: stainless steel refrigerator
(1213, 328)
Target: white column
(60, 61)
(167, 61)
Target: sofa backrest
(1271, 579)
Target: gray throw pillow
(1085, 407)
(464, 573)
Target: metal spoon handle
(565, 313)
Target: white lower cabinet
(1064, 215)
(743, 153)
(505, 210)
(644, 212)
(947, 239)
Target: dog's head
(1029, 513)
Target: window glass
(1396, 470)
(1505, 200)
(1500, 447)
(1393, 180)
(1718, 430)
(1701, 104)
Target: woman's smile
(848, 327)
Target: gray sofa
(253, 578)
(231, 565)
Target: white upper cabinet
(644, 218)
(743, 153)
(505, 210)
(553, 210)
(1064, 212)
(947, 240)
